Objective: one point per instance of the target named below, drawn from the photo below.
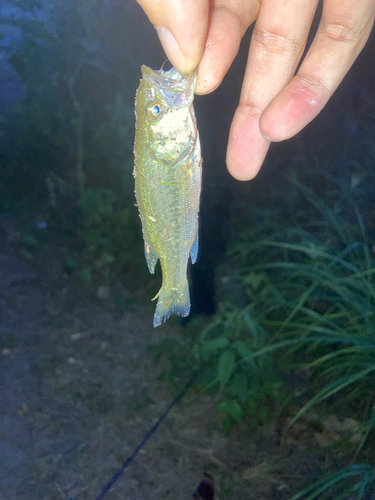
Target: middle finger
(277, 44)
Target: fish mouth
(171, 80)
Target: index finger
(181, 26)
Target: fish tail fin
(172, 301)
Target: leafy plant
(249, 384)
(109, 234)
(356, 481)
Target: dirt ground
(78, 391)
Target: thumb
(181, 26)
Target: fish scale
(168, 173)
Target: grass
(356, 481)
(309, 287)
(297, 303)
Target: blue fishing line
(145, 439)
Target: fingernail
(266, 137)
(172, 49)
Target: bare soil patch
(78, 391)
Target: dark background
(69, 73)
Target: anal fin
(151, 258)
(194, 249)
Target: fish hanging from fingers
(168, 176)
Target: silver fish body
(168, 171)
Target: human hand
(274, 104)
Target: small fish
(168, 173)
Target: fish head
(165, 115)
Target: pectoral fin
(150, 258)
(194, 249)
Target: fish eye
(153, 110)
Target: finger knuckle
(278, 42)
(342, 31)
(313, 87)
